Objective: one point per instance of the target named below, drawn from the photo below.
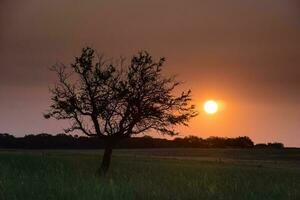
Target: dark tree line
(274, 145)
(64, 141)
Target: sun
(210, 107)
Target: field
(151, 174)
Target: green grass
(151, 174)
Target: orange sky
(245, 54)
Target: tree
(112, 101)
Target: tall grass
(72, 176)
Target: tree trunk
(106, 159)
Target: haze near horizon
(245, 55)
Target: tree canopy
(119, 102)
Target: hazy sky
(243, 53)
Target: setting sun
(210, 107)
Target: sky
(245, 54)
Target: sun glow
(211, 107)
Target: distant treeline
(63, 141)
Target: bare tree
(107, 100)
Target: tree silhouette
(112, 101)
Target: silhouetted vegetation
(275, 145)
(115, 100)
(64, 141)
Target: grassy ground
(151, 174)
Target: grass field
(151, 174)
